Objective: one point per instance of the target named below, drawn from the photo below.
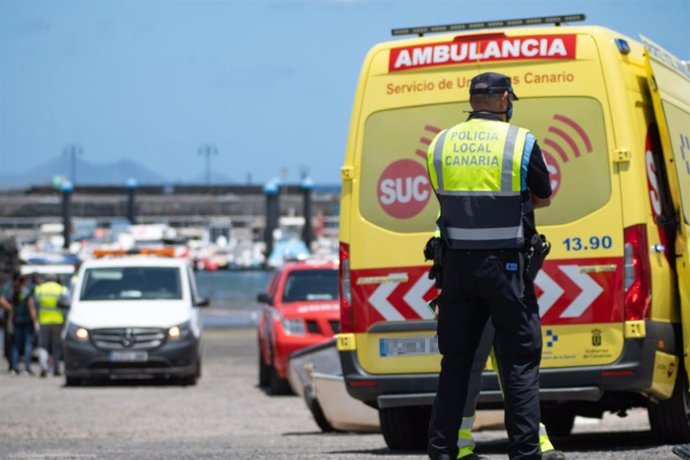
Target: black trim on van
(632, 372)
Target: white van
(133, 317)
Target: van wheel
(278, 385)
(670, 419)
(72, 381)
(264, 371)
(189, 379)
(559, 422)
(405, 428)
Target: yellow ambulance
(612, 117)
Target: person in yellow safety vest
(488, 176)
(466, 443)
(51, 298)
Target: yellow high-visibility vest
(475, 169)
(47, 297)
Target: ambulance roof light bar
(488, 25)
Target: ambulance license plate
(128, 356)
(408, 346)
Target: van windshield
(570, 131)
(131, 283)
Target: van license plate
(128, 356)
(408, 346)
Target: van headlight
(180, 331)
(81, 334)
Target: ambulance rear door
(669, 84)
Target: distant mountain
(87, 173)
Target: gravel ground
(226, 416)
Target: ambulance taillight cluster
(637, 274)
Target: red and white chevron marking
(568, 292)
(578, 291)
(392, 295)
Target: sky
(269, 84)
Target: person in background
(50, 298)
(25, 324)
(6, 313)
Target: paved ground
(227, 417)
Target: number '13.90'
(593, 242)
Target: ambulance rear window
(569, 130)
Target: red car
(302, 309)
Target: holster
(537, 251)
(433, 250)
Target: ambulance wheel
(670, 419)
(558, 421)
(405, 428)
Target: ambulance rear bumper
(631, 373)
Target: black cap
(491, 83)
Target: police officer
(51, 298)
(488, 176)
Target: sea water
(232, 295)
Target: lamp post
(131, 204)
(73, 151)
(66, 189)
(208, 150)
(271, 190)
(307, 231)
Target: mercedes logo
(127, 338)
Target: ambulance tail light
(637, 274)
(347, 320)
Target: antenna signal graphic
(426, 141)
(563, 133)
(564, 138)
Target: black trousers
(479, 286)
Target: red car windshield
(311, 285)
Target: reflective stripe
(464, 442)
(508, 153)
(467, 423)
(544, 441)
(463, 193)
(438, 160)
(481, 234)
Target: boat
(315, 374)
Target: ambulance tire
(559, 422)
(670, 419)
(405, 428)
